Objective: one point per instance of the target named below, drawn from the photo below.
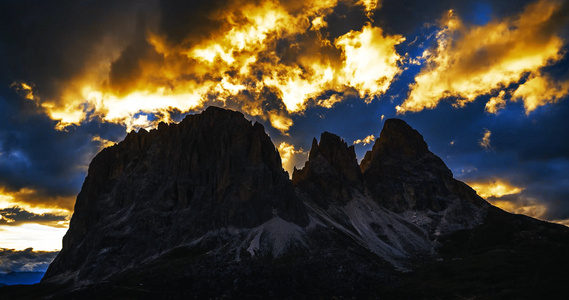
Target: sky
(485, 82)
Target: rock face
(403, 174)
(204, 209)
(159, 189)
(396, 203)
(331, 173)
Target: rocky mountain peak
(401, 173)
(331, 171)
(397, 138)
(159, 189)
(337, 153)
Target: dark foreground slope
(203, 209)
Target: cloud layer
(25, 260)
(16, 216)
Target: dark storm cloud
(49, 43)
(25, 261)
(343, 19)
(35, 156)
(191, 21)
(127, 67)
(408, 16)
(16, 216)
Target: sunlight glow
(39, 237)
(288, 153)
(11, 199)
(494, 188)
(240, 62)
(365, 141)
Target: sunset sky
(485, 82)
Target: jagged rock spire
(401, 173)
(331, 171)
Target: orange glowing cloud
(539, 90)
(104, 143)
(531, 208)
(33, 201)
(371, 61)
(24, 223)
(495, 191)
(290, 156)
(237, 63)
(365, 141)
(470, 61)
(370, 6)
(24, 89)
(485, 141)
(495, 188)
(496, 103)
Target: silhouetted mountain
(158, 190)
(203, 209)
(403, 174)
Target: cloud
(371, 62)
(539, 90)
(106, 143)
(471, 61)
(370, 6)
(290, 156)
(16, 216)
(41, 166)
(36, 201)
(173, 56)
(503, 194)
(485, 141)
(70, 41)
(519, 205)
(562, 222)
(496, 103)
(367, 140)
(26, 260)
(494, 188)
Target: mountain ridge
(203, 208)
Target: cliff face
(204, 209)
(397, 203)
(403, 174)
(159, 189)
(331, 174)
(215, 179)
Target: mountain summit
(204, 209)
(168, 187)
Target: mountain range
(204, 209)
